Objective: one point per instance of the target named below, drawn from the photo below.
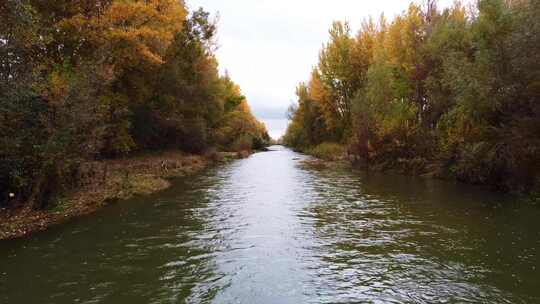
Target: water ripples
(268, 229)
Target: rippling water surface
(269, 230)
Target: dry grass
(328, 151)
(104, 182)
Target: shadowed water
(270, 230)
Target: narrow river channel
(268, 229)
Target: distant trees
(453, 92)
(238, 129)
(103, 79)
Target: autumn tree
(450, 93)
(103, 78)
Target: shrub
(328, 151)
(242, 143)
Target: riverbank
(110, 181)
(335, 156)
(265, 228)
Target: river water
(268, 229)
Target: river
(268, 229)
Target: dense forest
(450, 93)
(98, 79)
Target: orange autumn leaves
(96, 79)
(444, 92)
(134, 32)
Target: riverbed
(269, 229)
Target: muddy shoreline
(108, 182)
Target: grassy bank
(327, 151)
(333, 155)
(106, 182)
(325, 155)
(330, 154)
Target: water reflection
(269, 230)
(150, 250)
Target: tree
(102, 78)
(452, 92)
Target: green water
(268, 230)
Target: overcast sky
(269, 46)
